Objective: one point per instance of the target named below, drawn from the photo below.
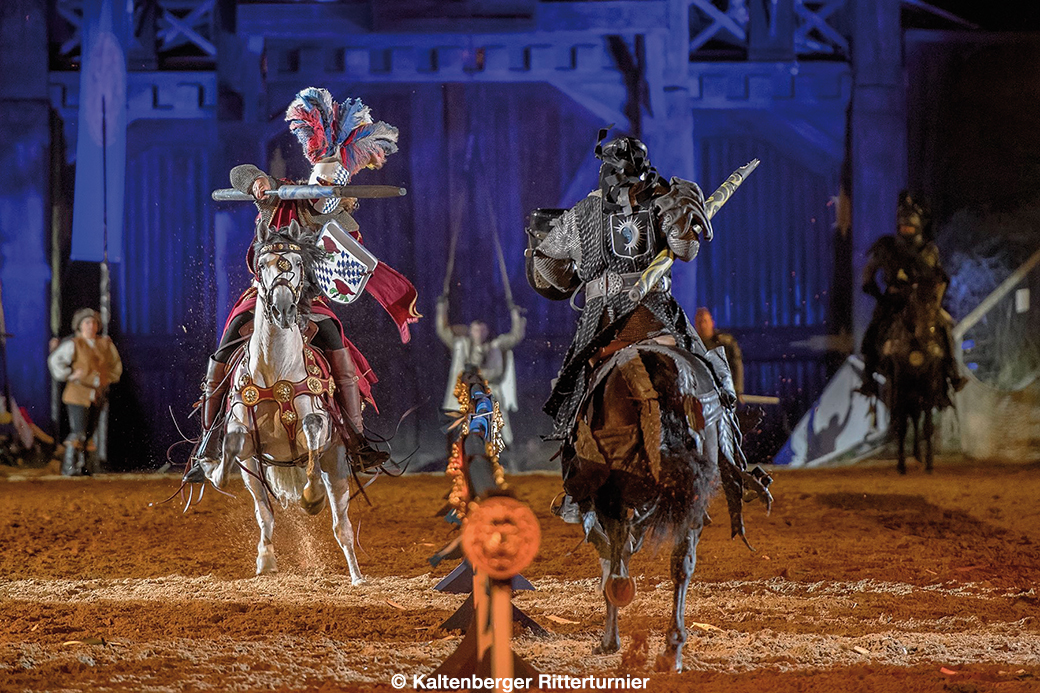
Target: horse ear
(263, 232)
(309, 236)
(294, 230)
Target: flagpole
(106, 291)
(105, 302)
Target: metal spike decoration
(728, 187)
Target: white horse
(279, 429)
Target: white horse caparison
(274, 358)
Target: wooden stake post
(500, 537)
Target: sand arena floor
(863, 581)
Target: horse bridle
(284, 276)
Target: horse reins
(285, 273)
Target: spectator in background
(87, 363)
(704, 323)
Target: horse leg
(335, 474)
(314, 430)
(917, 438)
(618, 587)
(929, 433)
(234, 442)
(684, 560)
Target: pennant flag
(101, 140)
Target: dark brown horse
(912, 356)
(656, 437)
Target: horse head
(285, 260)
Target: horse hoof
(606, 648)
(668, 663)
(359, 580)
(620, 591)
(312, 507)
(266, 566)
(902, 470)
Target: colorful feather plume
(326, 128)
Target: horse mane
(310, 254)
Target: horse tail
(689, 475)
(286, 483)
(642, 443)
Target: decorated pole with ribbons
(664, 260)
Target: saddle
(700, 384)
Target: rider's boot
(957, 381)
(869, 386)
(214, 387)
(348, 398)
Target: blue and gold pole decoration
(663, 262)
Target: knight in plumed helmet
(339, 140)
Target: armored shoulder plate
(539, 224)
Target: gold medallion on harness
(314, 370)
(288, 417)
(250, 395)
(284, 265)
(283, 391)
(315, 386)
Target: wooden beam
(1000, 292)
(609, 113)
(813, 21)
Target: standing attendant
(88, 364)
(704, 323)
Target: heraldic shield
(631, 235)
(347, 265)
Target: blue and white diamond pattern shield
(346, 267)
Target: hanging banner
(101, 140)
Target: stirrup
(194, 474)
(364, 457)
(567, 510)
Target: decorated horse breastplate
(318, 383)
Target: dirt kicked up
(862, 581)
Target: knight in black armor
(904, 260)
(604, 244)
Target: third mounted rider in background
(904, 260)
(493, 358)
